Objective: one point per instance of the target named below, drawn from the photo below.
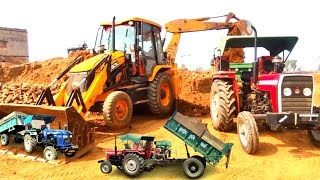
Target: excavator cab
(139, 41)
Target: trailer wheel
(161, 95)
(29, 143)
(203, 160)
(222, 105)
(117, 109)
(315, 137)
(106, 167)
(50, 153)
(248, 132)
(193, 167)
(70, 154)
(4, 139)
(132, 165)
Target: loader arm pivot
(200, 24)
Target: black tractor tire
(315, 137)
(50, 153)
(106, 167)
(222, 105)
(70, 154)
(29, 143)
(4, 139)
(193, 168)
(202, 159)
(132, 165)
(161, 95)
(248, 132)
(117, 109)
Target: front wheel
(117, 109)
(50, 153)
(248, 132)
(193, 167)
(106, 167)
(4, 139)
(315, 137)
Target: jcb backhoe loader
(129, 68)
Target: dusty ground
(285, 155)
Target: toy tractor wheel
(222, 105)
(161, 95)
(193, 167)
(50, 153)
(29, 143)
(4, 139)
(132, 165)
(70, 154)
(315, 137)
(248, 132)
(117, 109)
(106, 167)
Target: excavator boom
(240, 27)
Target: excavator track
(81, 131)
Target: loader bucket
(81, 132)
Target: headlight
(307, 91)
(287, 91)
(65, 136)
(70, 135)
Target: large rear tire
(161, 95)
(117, 109)
(248, 132)
(193, 167)
(315, 137)
(4, 139)
(29, 143)
(222, 105)
(132, 165)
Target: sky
(54, 26)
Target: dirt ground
(285, 155)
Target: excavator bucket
(81, 131)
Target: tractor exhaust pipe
(255, 62)
(115, 145)
(113, 34)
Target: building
(13, 45)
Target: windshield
(124, 37)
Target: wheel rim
(215, 103)
(27, 143)
(165, 94)
(193, 168)
(49, 154)
(105, 168)
(316, 134)
(121, 110)
(243, 134)
(131, 165)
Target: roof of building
(13, 29)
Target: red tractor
(263, 94)
(133, 159)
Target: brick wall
(13, 45)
